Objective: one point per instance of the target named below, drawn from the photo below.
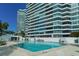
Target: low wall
(5, 37)
(69, 40)
(45, 39)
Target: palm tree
(22, 33)
(3, 27)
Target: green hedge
(2, 43)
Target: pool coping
(30, 53)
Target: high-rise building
(21, 16)
(51, 19)
(75, 17)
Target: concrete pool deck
(12, 50)
(67, 50)
(10, 43)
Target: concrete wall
(69, 40)
(5, 37)
(45, 39)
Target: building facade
(51, 19)
(21, 16)
(75, 17)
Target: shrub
(2, 43)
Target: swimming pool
(38, 46)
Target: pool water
(34, 47)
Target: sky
(8, 13)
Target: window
(45, 35)
(57, 35)
(66, 27)
(67, 22)
(49, 31)
(57, 18)
(64, 10)
(49, 12)
(66, 14)
(57, 27)
(66, 5)
(66, 31)
(77, 26)
(66, 35)
(66, 18)
(49, 28)
(48, 9)
(57, 10)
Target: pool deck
(67, 50)
(10, 43)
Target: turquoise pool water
(38, 46)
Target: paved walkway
(10, 50)
(68, 50)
